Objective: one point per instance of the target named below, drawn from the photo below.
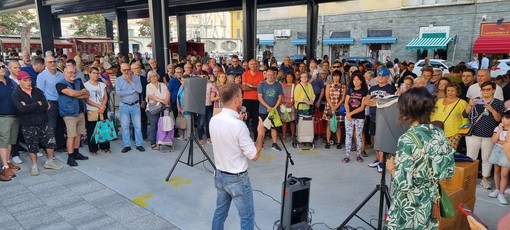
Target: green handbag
(445, 203)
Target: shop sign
(435, 30)
(494, 30)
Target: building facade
(409, 30)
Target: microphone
(243, 109)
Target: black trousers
(252, 108)
(90, 125)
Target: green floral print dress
(414, 190)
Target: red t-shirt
(255, 80)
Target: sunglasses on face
(2, 66)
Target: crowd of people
(54, 96)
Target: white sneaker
(17, 160)
(374, 164)
(507, 191)
(34, 171)
(53, 165)
(380, 168)
(39, 154)
(502, 199)
(494, 193)
(486, 184)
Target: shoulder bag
(440, 124)
(443, 205)
(155, 107)
(466, 129)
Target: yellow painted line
(176, 181)
(140, 200)
(265, 157)
(309, 152)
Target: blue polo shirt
(47, 82)
(6, 105)
(173, 87)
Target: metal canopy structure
(140, 8)
(50, 12)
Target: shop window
(338, 52)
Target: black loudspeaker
(388, 130)
(194, 95)
(297, 196)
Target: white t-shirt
(97, 93)
(502, 135)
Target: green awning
(428, 43)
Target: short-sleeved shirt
(377, 91)
(47, 82)
(254, 80)
(62, 86)
(502, 135)
(270, 94)
(485, 126)
(318, 85)
(97, 93)
(355, 99)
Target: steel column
(312, 21)
(122, 28)
(249, 29)
(181, 35)
(57, 27)
(109, 31)
(158, 13)
(45, 26)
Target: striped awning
(378, 40)
(338, 41)
(298, 42)
(428, 43)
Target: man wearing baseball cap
(32, 107)
(376, 92)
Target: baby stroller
(165, 133)
(304, 130)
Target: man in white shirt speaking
(232, 147)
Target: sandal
(154, 147)
(201, 142)
(93, 154)
(339, 146)
(359, 159)
(364, 154)
(209, 141)
(107, 151)
(327, 146)
(346, 160)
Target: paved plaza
(128, 191)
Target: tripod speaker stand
(189, 143)
(384, 196)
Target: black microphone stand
(287, 160)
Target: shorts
(38, 135)
(9, 128)
(372, 125)
(498, 157)
(75, 125)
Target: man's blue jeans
(127, 114)
(203, 120)
(237, 188)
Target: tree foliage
(145, 27)
(13, 22)
(89, 25)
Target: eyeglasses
(72, 73)
(94, 72)
(125, 70)
(336, 67)
(486, 89)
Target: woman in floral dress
(335, 96)
(416, 173)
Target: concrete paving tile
(83, 187)
(12, 189)
(36, 217)
(149, 222)
(80, 213)
(104, 222)
(70, 177)
(103, 197)
(61, 225)
(124, 211)
(44, 187)
(22, 203)
(62, 200)
(7, 221)
(33, 180)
